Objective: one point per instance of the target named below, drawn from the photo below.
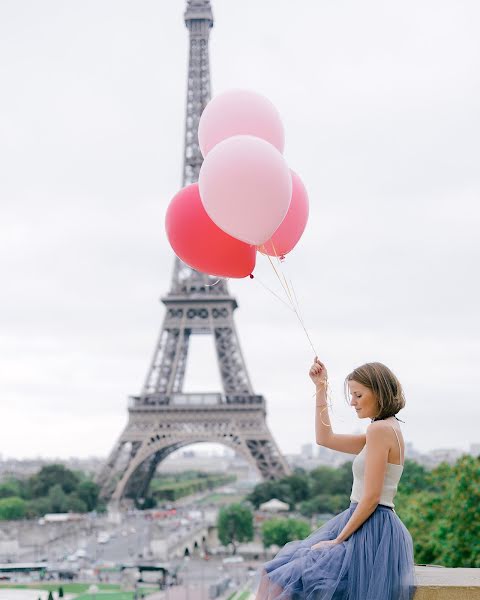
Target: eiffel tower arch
(162, 418)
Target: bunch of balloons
(246, 198)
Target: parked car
(103, 537)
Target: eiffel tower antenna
(163, 418)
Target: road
(129, 542)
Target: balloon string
(276, 273)
(295, 306)
(284, 283)
(271, 291)
(279, 259)
(306, 332)
(285, 289)
(212, 284)
(299, 314)
(294, 302)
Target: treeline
(173, 487)
(57, 489)
(54, 489)
(440, 507)
(322, 490)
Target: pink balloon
(197, 241)
(239, 112)
(245, 186)
(293, 225)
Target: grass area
(217, 498)
(107, 591)
(239, 595)
(107, 596)
(68, 588)
(172, 488)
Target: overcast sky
(380, 103)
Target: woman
(364, 552)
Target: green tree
(58, 499)
(415, 478)
(60, 592)
(10, 488)
(299, 484)
(101, 506)
(235, 524)
(442, 517)
(291, 489)
(328, 503)
(51, 475)
(88, 491)
(420, 513)
(75, 504)
(281, 531)
(259, 494)
(50, 596)
(12, 508)
(329, 480)
(458, 530)
(38, 507)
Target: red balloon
(293, 225)
(200, 243)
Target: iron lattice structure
(163, 418)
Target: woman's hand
(318, 372)
(324, 544)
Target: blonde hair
(383, 383)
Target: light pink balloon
(293, 225)
(245, 187)
(239, 112)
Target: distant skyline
(380, 107)
(201, 450)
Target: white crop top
(390, 483)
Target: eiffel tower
(163, 418)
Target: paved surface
(444, 576)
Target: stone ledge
(442, 583)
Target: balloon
(197, 241)
(245, 186)
(293, 225)
(239, 112)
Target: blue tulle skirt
(374, 563)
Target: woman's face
(363, 400)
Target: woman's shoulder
(386, 423)
(377, 425)
(379, 428)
